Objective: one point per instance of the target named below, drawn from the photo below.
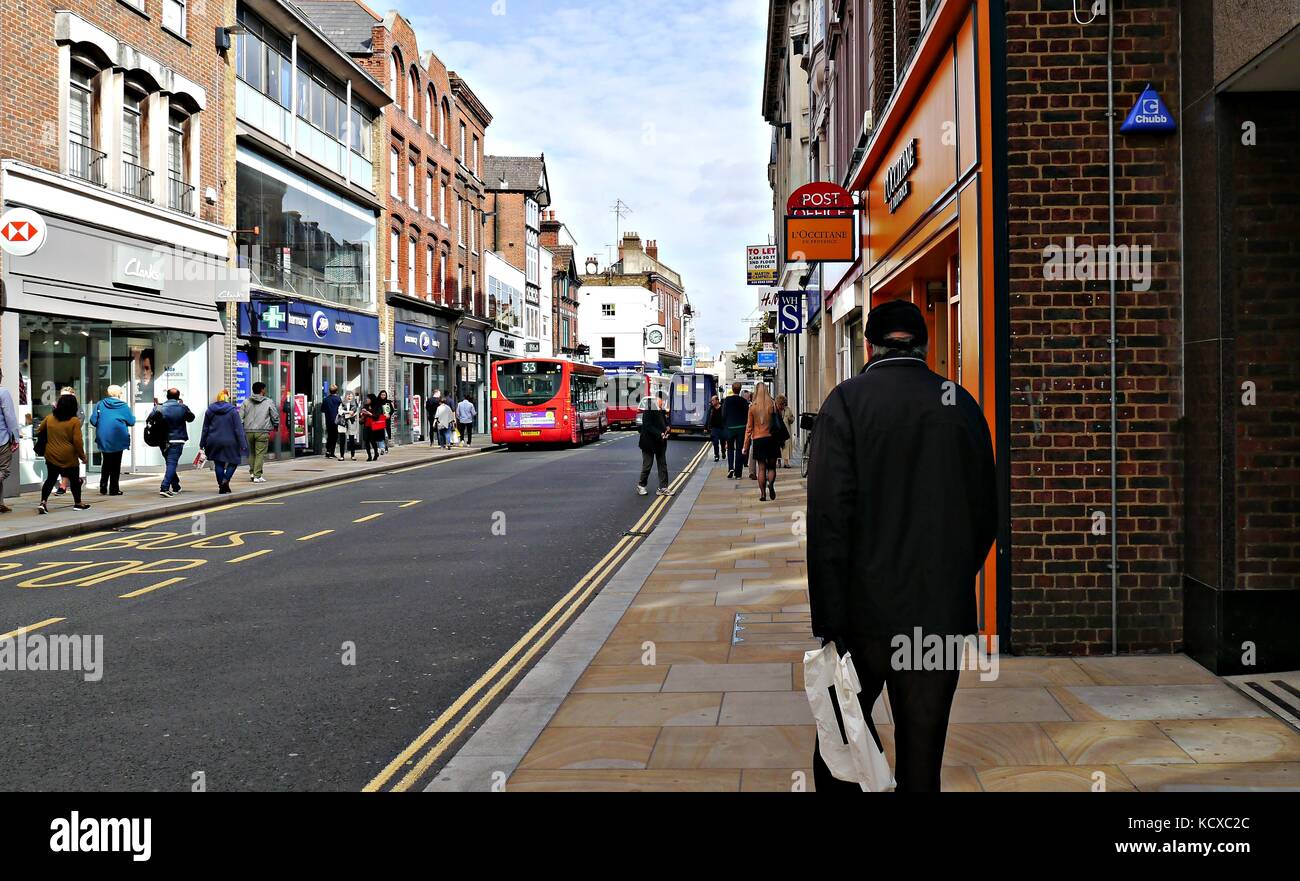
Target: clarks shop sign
(138, 268)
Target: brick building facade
(1059, 366)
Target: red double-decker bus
(624, 391)
(546, 401)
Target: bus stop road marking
(135, 593)
(29, 628)
(251, 556)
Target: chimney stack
(652, 249)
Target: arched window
(393, 85)
(430, 109)
(84, 159)
(413, 106)
(444, 121)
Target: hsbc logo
(22, 232)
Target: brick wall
(412, 140)
(29, 77)
(1059, 438)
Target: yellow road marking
(401, 503)
(29, 628)
(35, 549)
(368, 518)
(316, 535)
(296, 492)
(585, 586)
(135, 593)
(251, 556)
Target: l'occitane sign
(820, 239)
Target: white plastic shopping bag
(859, 761)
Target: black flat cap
(896, 316)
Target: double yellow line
(520, 654)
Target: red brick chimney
(550, 234)
(652, 249)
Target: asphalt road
(425, 576)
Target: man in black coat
(735, 415)
(653, 444)
(902, 512)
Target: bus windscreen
(530, 383)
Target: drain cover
(1279, 693)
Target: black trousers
(467, 432)
(332, 439)
(648, 459)
(52, 475)
(110, 471)
(919, 701)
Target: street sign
(819, 199)
(22, 232)
(767, 360)
(1149, 114)
(822, 239)
(760, 265)
(789, 315)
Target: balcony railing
(86, 163)
(137, 181)
(180, 195)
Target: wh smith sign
(308, 324)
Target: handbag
(854, 756)
(38, 444)
(777, 428)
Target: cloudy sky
(654, 102)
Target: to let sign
(760, 265)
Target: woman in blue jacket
(112, 418)
(223, 439)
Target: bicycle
(806, 423)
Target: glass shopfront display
(419, 370)
(89, 356)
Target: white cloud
(655, 103)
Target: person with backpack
(166, 430)
(223, 440)
(260, 417)
(112, 418)
(59, 441)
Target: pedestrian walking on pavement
(787, 420)
(175, 415)
(445, 421)
(348, 413)
(9, 433)
(431, 416)
(385, 438)
(260, 417)
(373, 423)
(112, 419)
(223, 440)
(653, 444)
(762, 436)
(717, 431)
(64, 451)
(902, 511)
(62, 486)
(466, 413)
(735, 415)
(745, 457)
(329, 408)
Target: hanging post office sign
(821, 224)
